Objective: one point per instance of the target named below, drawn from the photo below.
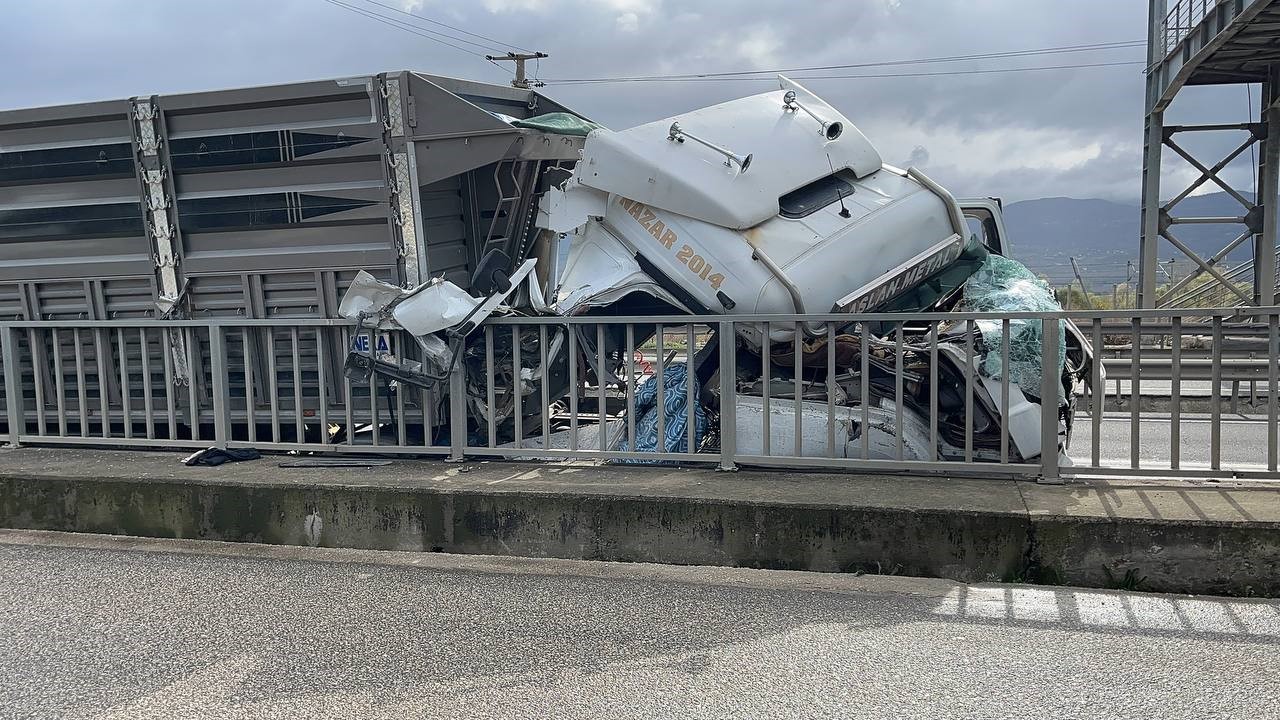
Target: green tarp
(558, 123)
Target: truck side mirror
(493, 274)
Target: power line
(885, 63)
(512, 71)
(440, 37)
(853, 77)
(446, 25)
(915, 61)
(421, 32)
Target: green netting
(1004, 285)
(559, 123)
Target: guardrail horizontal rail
(908, 392)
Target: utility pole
(519, 59)
(1083, 288)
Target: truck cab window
(982, 224)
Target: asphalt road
(1243, 441)
(139, 629)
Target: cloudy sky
(1020, 135)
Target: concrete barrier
(1215, 540)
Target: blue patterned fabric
(676, 401)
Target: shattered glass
(1004, 285)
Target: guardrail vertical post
(12, 383)
(1273, 386)
(1215, 403)
(728, 396)
(1175, 394)
(458, 411)
(218, 361)
(1135, 392)
(1049, 384)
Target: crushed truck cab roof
(788, 148)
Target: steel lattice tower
(1212, 42)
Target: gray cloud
(1073, 132)
(919, 158)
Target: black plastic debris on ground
(217, 456)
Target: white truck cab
(775, 204)
(769, 204)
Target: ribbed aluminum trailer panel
(261, 203)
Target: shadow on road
(1113, 611)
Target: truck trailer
(254, 203)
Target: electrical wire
(915, 61)
(938, 73)
(495, 41)
(414, 29)
(885, 63)
(503, 68)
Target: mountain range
(1102, 235)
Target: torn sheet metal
(1024, 416)
(600, 271)
(369, 296)
(570, 207)
(882, 430)
(439, 305)
(430, 307)
(588, 439)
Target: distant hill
(1103, 235)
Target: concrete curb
(1076, 535)
(683, 531)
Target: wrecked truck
(773, 204)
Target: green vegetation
(1129, 581)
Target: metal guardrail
(268, 384)
(1182, 18)
(279, 385)
(1210, 293)
(1241, 355)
